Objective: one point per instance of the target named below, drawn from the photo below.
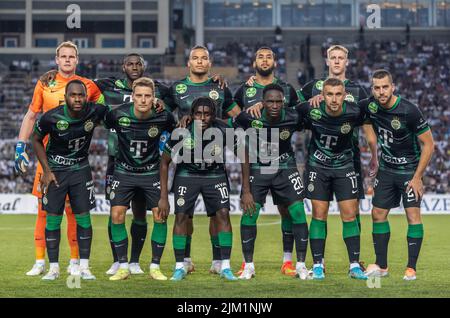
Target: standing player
(66, 171)
(44, 99)
(337, 62)
(116, 92)
(182, 93)
(247, 96)
(139, 128)
(205, 174)
(278, 174)
(330, 170)
(399, 126)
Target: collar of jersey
(322, 107)
(257, 85)
(124, 82)
(264, 117)
(188, 80)
(393, 106)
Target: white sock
(215, 261)
(154, 266)
(225, 264)
(287, 257)
(179, 265)
(84, 263)
(249, 265)
(300, 265)
(54, 265)
(40, 261)
(354, 265)
(74, 261)
(187, 260)
(124, 265)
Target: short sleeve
(239, 97)
(416, 122)
(292, 96)
(37, 102)
(93, 92)
(43, 126)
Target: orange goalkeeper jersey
(46, 98)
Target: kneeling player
(66, 171)
(330, 170)
(278, 174)
(139, 128)
(194, 175)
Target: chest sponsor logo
(285, 134)
(395, 123)
(315, 114)
(124, 122)
(319, 85)
(153, 131)
(250, 92)
(88, 126)
(62, 125)
(214, 95)
(373, 108)
(346, 128)
(181, 88)
(350, 98)
(257, 124)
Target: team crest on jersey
(214, 94)
(319, 85)
(180, 202)
(315, 114)
(250, 92)
(153, 131)
(395, 123)
(189, 143)
(52, 84)
(257, 124)
(373, 107)
(285, 134)
(88, 126)
(124, 121)
(112, 195)
(45, 200)
(62, 125)
(350, 98)
(181, 88)
(216, 151)
(311, 187)
(346, 128)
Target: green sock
(179, 245)
(119, 232)
(83, 220)
(53, 222)
(159, 233)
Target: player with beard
(249, 97)
(182, 93)
(407, 145)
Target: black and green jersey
(182, 93)
(247, 96)
(138, 138)
(116, 92)
(397, 129)
(271, 140)
(69, 138)
(200, 153)
(331, 141)
(355, 92)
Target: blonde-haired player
(46, 98)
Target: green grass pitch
(17, 257)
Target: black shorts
(285, 185)
(358, 171)
(215, 192)
(78, 185)
(126, 188)
(323, 183)
(390, 187)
